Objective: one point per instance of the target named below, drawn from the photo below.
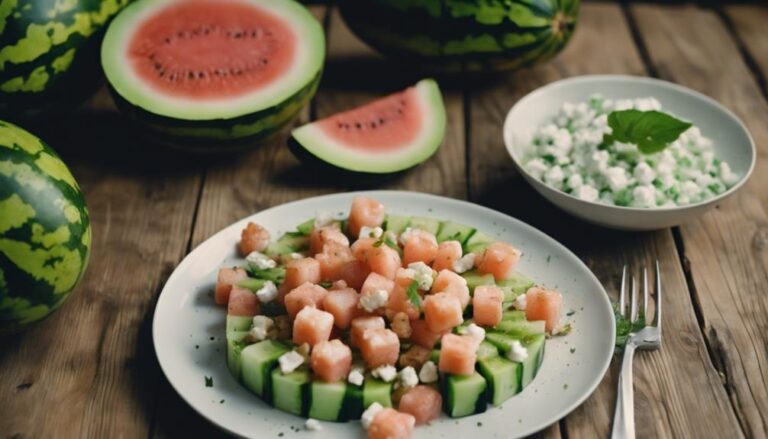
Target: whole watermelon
(464, 35)
(45, 231)
(49, 52)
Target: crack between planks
(465, 96)
(714, 353)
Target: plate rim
(592, 386)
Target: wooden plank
(356, 75)
(725, 250)
(749, 24)
(667, 381)
(84, 371)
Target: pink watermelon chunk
(387, 135)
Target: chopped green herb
(326, 284)
(413, 294)
(281, 434)
(565, 386)
(221, 402)
(549, 257)
(563, 330)
(212, 338)
(651, 131)
(479, 424)
(573, 350)
(197, 346)
(570, 313)
(208, 381)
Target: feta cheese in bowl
(556, 136)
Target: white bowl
(732, 142)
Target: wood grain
(726, 250)
(84, 371)
(748, 22)
(667, 380)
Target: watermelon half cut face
(387, 135)
(177, 62)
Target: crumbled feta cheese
(520, 302)
(370, 232)
(370, 413)
(422, 274)
(408, 377)
(536, 168)
(406, 234)
(476, 332)
(644, 196)
(586, 193)
(518, 352)
(616, 177)
(260, 261)
(260, 328)
(574, 181)
(323, 219)
(356, 377)
(267, 292)
(465, 263)
(644, 174)
(386, 373)
(554, 176)
(289, 361)
(374, 300)
(428, 372)
(295, 255)
(729, 178)
(313, 425)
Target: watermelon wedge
(213, 71)
(387, 135)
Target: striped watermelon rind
(45, 231)
(465, 35)
(49, 52)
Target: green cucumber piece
(531, 365)
(451, 231)
(396, 223)
(375, 390)
(475, 279)
(503, 377)
(235, 346)
(514, 286)
(257, 362)
(326, 400)
(306, 227)
(512, 315)
(478, 241)
(238, 323)
(252, 284)
(521, 327)
(435, 356)
(430, 225)
(487, 350)
(352, 408)
(464, 395)
(291, 391)
(291, 242)
(276, 274)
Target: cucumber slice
(435, 356)
(252, 284)
(306, 227)
(290, 242)
(257, 362)
(487, 350)
(430, 225)
(238, 323)
(514, 286)
(451, 231)
(464, 395)
(512, 315)
(478, 241)
(291, 391)
(375, 390)
(352, 408)
(521, 327)
(326, 400)
(503, 377)
(531, 365)
(396, 223)
(276, 274)
(235, 346)
(475, 279)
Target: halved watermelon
(213, 70)
(390, 134)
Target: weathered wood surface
(95, 373)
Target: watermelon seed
(358, 125)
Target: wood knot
(760, 238)
(24, 386)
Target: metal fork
(649, 337)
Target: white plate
(189, 338)
(731, 140)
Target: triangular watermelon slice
(387, 135)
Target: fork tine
(633, 301)
(623, 292)
(657, 297)
(645, 295)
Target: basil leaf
(413, 294)
(651, 131)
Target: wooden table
(90, 370)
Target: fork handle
(624, 416)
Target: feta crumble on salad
(569, 154)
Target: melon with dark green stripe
(464, 35)
(49, 52)
(213, 74)
(45, 231)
